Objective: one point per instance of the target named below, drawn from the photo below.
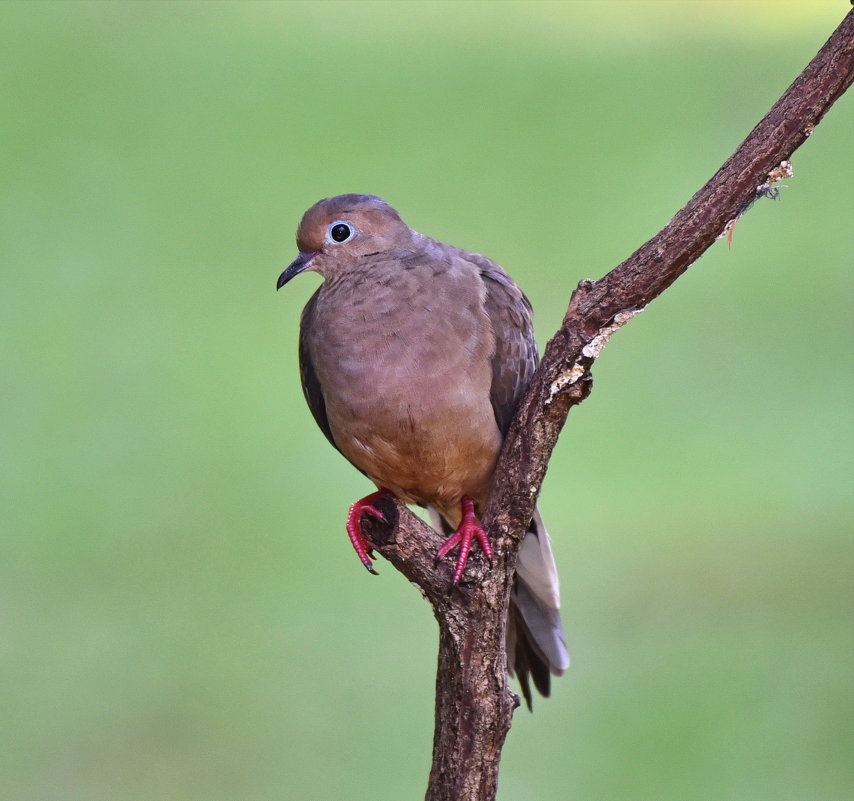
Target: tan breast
(406, 380)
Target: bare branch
(473, 703)
(596, 306)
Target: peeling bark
(474, 705)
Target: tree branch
(474, 706)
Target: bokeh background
(181, 616)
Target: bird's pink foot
(354, 528)
(467, 532)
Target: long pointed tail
(535, 643)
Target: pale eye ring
(340, 231)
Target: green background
(181, 616)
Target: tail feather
(523, 660)
(536, 594)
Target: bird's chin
(299, 265)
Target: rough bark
(474, 705)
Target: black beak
(298, 265)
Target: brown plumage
(413, 356)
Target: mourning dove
(413, 356)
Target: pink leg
(468, 531)
(354, 528)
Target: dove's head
(335, 233)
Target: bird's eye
(340, 231)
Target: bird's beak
(298, 265)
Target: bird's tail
(535, 646)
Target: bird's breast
(406, 383)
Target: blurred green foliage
(181, 616)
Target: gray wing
(310, 385)
(536, 645)
(515, 356)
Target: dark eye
(340, 232)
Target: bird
(413, 357)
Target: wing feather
(515, 356)
(310, 383)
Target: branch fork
(474, 705)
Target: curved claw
(354, 528)
(467, 532)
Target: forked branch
(473, 703)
